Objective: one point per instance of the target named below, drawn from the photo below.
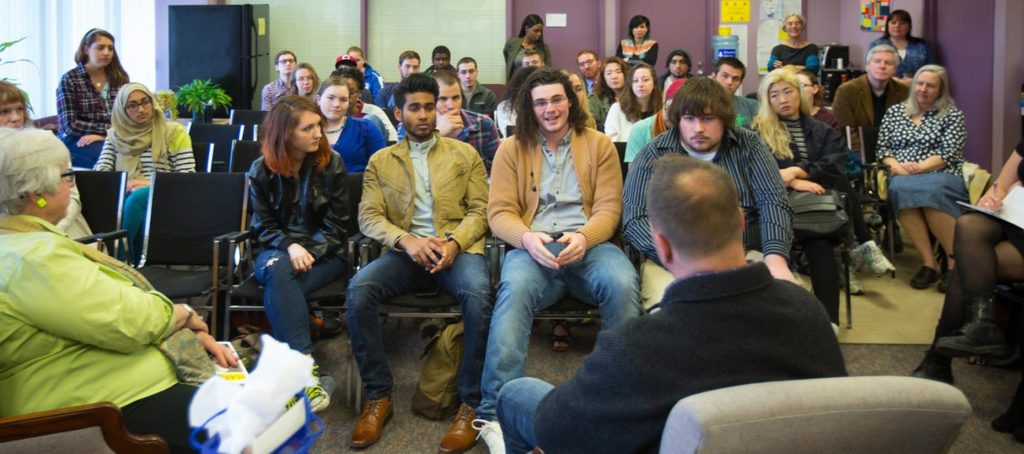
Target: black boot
(935, 367)
(979, 335)
(1013, 419)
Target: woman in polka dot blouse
(922, 141)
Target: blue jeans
(517, 405)
(82, 157)
(284, 294)
(604, 278)
(133, 219)
(394, 274)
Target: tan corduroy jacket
(515, 187)
(852, 104)
(458, 183)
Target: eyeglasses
(68, 175)
(135, 106)
(286, 60)
(541, 104)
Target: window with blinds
(468, 28)
(318, 31)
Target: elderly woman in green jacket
(78, 326)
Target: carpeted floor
(987, 389)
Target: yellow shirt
(73, 331)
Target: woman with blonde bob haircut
(299, 196)
(79, 326)
(922, 142)
(811, 158)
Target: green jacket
(74, 331)
(458, 182)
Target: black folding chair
(243, 154)
(187, 213)
(240, 284)
(620, 147)
(203, 153)
(102, 196)
(250, 121)
(219, 135)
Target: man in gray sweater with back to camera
(723, 322)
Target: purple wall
(837, 22)
(970, 64)
(676, 24)
(583, 28)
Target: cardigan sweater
(515, 187)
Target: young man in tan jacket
(425, 200)
(556, 196)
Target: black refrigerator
(229, 44)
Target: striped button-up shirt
(81, 109)
(747, 160)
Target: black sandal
(560, 343)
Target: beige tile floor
(891, 311)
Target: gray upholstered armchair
(843, 414)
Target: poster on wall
(767, 38)
(735, 11)
(770, 10)
(873, 14)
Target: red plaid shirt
(81, 110)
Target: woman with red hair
(300, 206)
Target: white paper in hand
(281, 374)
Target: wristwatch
(191, 313)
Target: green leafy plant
(6, 45)
(200, 94)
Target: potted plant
(4, 46)
(200, 96)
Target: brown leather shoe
(376, 414)
(461, 436)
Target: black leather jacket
(311, 210)
(826, 152)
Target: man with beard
(590, 67)
(431, 223)
(703, 121)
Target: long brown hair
(277, 129)
(526, 119)
(116, 74)
(601, 88)
(630, 104)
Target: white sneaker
(854, 282)
(319, 397)
(875, 258)
(857, 257)
(490, 431)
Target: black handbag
(818, 215)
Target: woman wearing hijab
(140, 143)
